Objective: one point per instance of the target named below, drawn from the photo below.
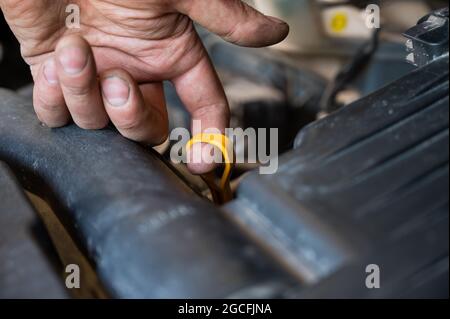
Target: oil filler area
(357, 207)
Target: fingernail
(50, 71)
(116, 91)
(73, 60)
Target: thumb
(235, 21)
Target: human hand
(112, 68)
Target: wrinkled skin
(112, 67)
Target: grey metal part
(366, 185)
(146, 232)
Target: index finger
(202, 93)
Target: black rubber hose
(146, 232)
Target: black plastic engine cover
(366, 185)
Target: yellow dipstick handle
(222, 142)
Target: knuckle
(91, 125)
(56, 123)
(219, 109)
(129, 120)
(232, 34)
(43, 103)
(77, 90)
